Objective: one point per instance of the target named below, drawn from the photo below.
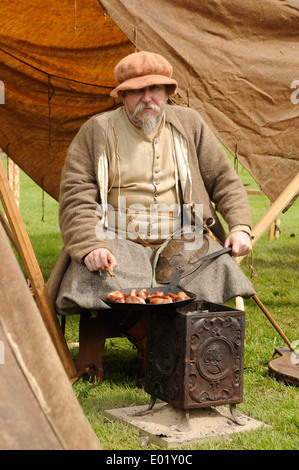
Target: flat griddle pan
(172, 287)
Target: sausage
(165, 299)
(179, 297)
(156, 293)
(183, 295)
(116, 299)
(132, 299)
(175, 297)
(133, 293)
(143, 296)
(117, 294)
(143, 293)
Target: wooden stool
(93, 332)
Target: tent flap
(57, 71)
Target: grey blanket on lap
(217, 280)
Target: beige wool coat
(213, 181)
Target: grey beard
(148, 123)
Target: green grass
(265, 399)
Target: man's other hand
(240, 243)
(100, 259)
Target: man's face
(145, 107)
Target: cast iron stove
(195, 356)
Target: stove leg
(233, 410)
(184, 425)
(152, 403)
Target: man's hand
(100, 259)
(240, 243)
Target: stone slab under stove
(171, 427)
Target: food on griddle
(116, 296)
(144, 297)
(180, 295)
(134, 299)
(175, 297)
(161, 299)
(156, 293)
(143, 293)
(133, 293)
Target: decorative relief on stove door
(215, 359)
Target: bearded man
(121, 168)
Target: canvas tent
(236, 63)
(38, 409)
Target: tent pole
(290, 192)
(39, 287)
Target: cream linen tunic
(144, 195)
